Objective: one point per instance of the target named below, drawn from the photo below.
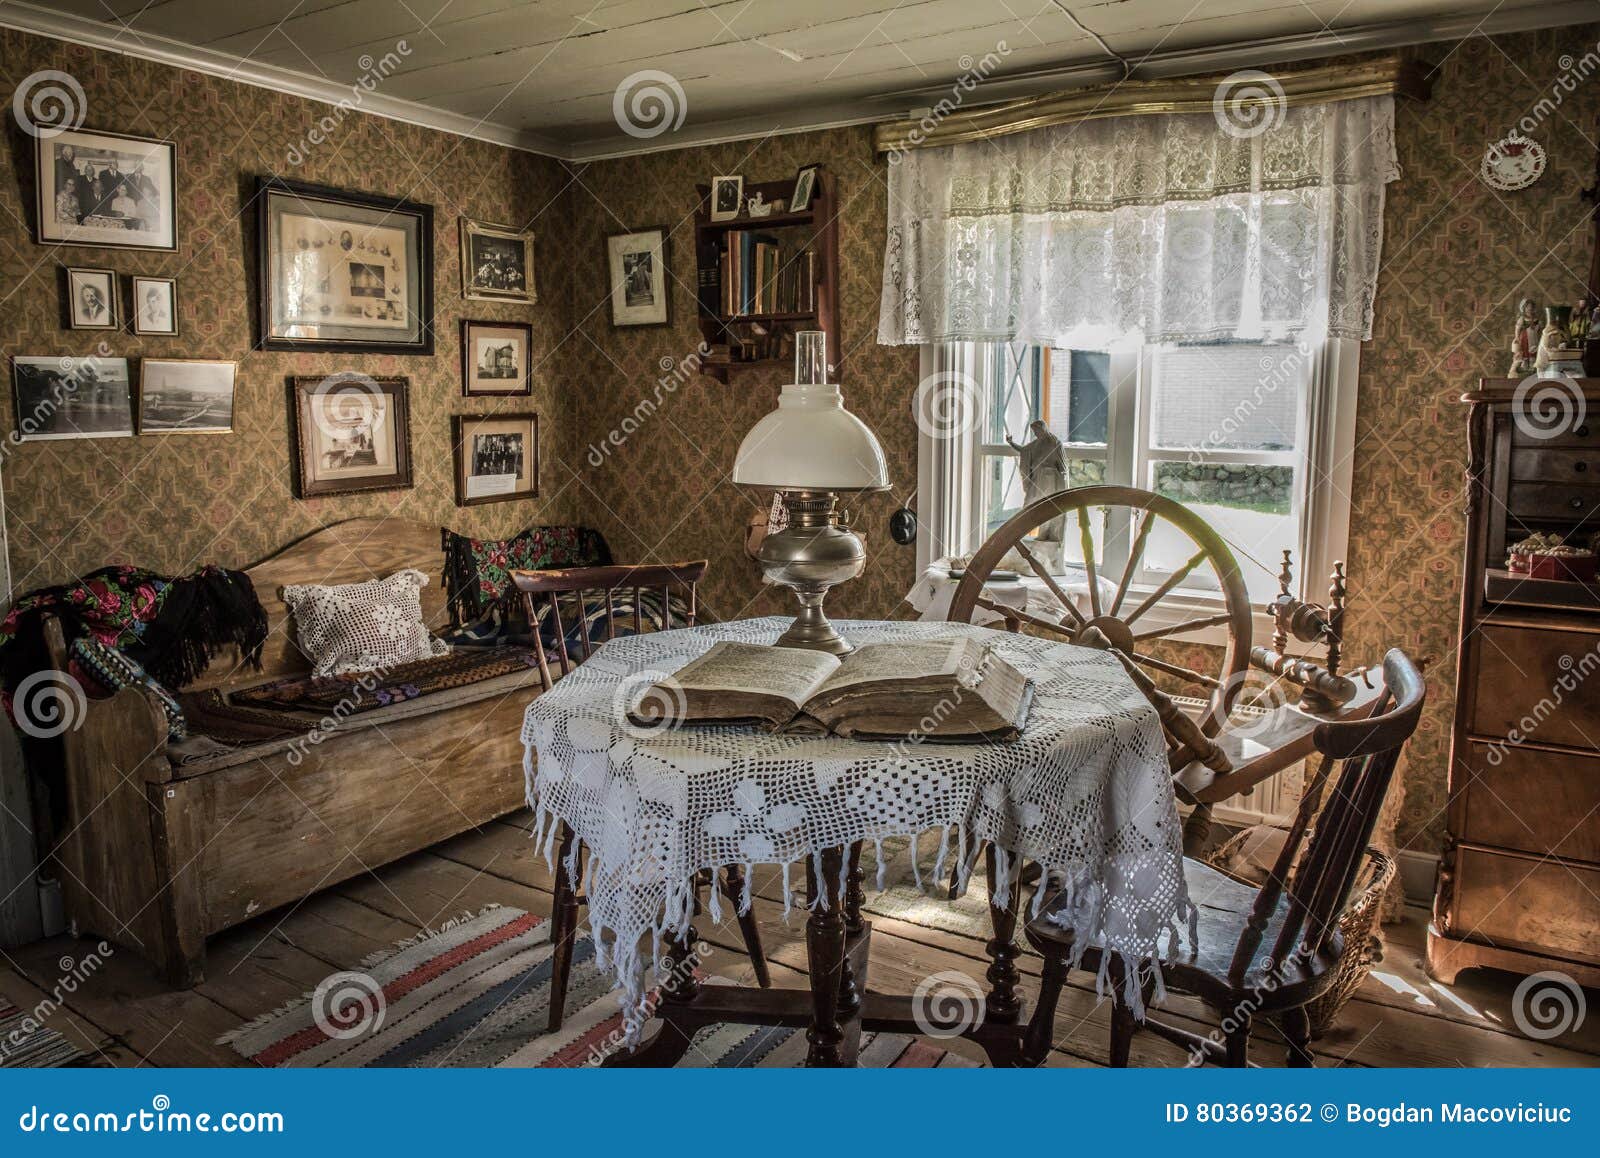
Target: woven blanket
(477, 572)
(477, 993)
(355, 692)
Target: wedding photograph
(727, 197)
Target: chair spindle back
(1359, 757)
(579, 583)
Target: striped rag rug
(477, 993)
(24, 1042)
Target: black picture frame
(472, 386)
(464, 426)
(413, 217)
(312, 480)
(48, 230)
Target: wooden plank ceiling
(549, 69)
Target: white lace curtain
(1168, 225)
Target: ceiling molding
(163, 50)
(1276, 50)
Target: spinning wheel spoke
(1043, 572)
(1112, 627)
(1210, 683)
(1135, 558)
(1165, 589)
(1187, 625)
(1086, 541)
(1012, 613)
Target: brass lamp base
(810, 556)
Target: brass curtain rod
(1391, 73)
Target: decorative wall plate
(1512, 163)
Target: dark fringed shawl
(171, 627)
(477, 572)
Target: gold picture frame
(497, 263)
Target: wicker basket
(1358, 925)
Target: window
(1255, 437)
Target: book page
(789, 673)
(880, 662)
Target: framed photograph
(342, 270)
(805, 187)
(727, 197)
(495, 358)
(155, 306)
(496, 263)
(640, 287)
(352, 433)
(497, 457)
(60, 398)
(107, 189)
(185, 396)
(91, 299)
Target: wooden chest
(1519, 883)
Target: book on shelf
(755, 274)
(956, 690)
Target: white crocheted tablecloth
(1084, 791)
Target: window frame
(1323, 453)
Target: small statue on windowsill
(1524, 339)
(1044, 473)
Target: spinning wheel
(1128, 517)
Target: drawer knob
(1582, 431)
(1576, 504)
(1580, 467)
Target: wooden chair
(1294, 914)
(580, 585)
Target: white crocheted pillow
(362, 626)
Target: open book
(955, 690)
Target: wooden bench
(157, 854)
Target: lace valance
(1185, 227)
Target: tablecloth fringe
(1083, 910)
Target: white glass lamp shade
(811, 442)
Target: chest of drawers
(1519, 881)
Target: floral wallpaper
(1457, 256)
(175, 501)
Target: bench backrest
(349, 552)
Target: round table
(1084, 792)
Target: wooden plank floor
(123, 1016)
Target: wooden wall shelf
(819, 226)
